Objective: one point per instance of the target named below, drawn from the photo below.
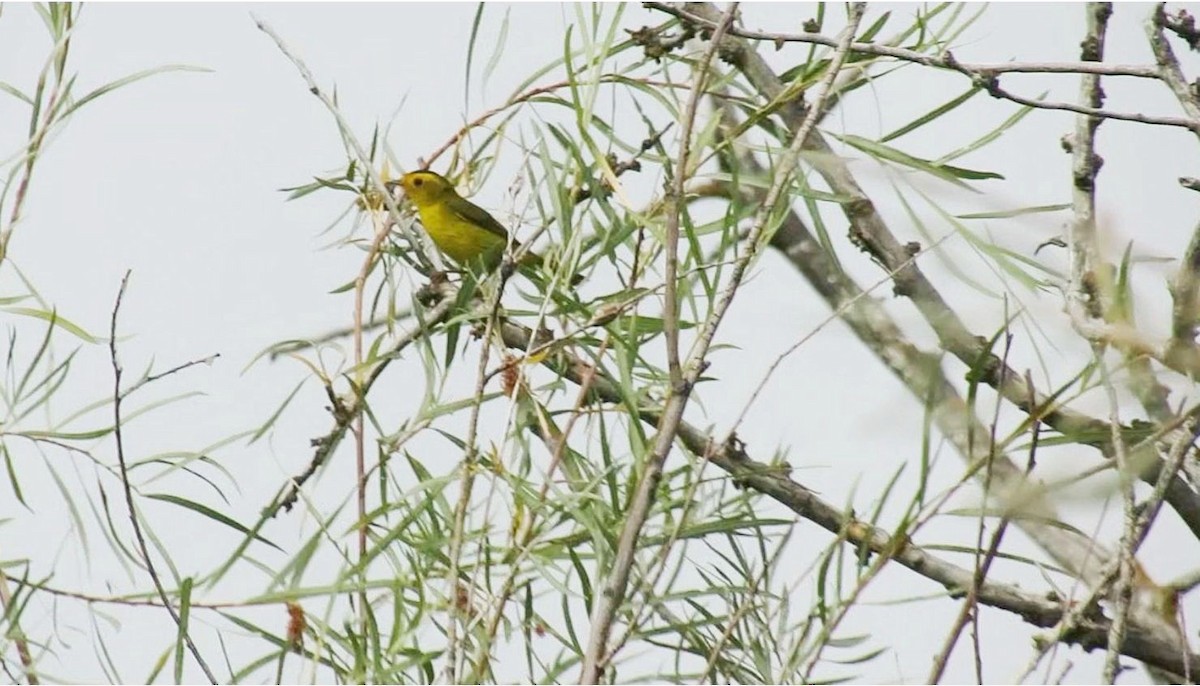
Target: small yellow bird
(462, 230)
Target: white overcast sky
(177, 178)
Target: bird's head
(425, 187)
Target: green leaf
(211, 514)
(954, 175)
(494, 60)
(874, 29)
(475, 22)
(931, 115)
(185, 608)
(276, 414)
(55, 319)
(126, 80)
(12, 476)
(1016, 212)
(13, 91)
(641, 325)
(990, 136)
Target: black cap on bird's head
(423, 185)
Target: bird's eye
(418, 181)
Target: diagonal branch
(1185, 288)
(1151, 644)
(870, 233)
(922, 373)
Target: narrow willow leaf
(212, 514)
(932, 115)
(1016, 212)
(954, 175)
(55, 319)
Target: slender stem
(1148, 643)
(466, 485)
(674, 206)
(128, 489)
(612, 593)
(983, 74)
(970, 606)
(15, 632)
(382, 229)
(360, 153)
(943, 60)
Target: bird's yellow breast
(458, 238)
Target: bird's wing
(470, 212)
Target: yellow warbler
(462, 230)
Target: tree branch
(131, 508)
(870, 233)
(1150, 644)
(612, 594)
(985, 75)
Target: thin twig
(15, 633)
(1121, 591)
(295, 346)
(364, 160)
(612, 593)
(969, 611)
(128, 489)
(467, 482)
(993, 88)
(1168, 69)
(524, 539)
(674, 207)
(984, 75)
(921, 58)
(173, 370)
(1039, 609)
(382, 229)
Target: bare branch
(1169, 70)
(612, 594)
(131, 508)
(870, 233)
(352, 143)
(1088, 283)
(1148, 643)
(15, 633)
(943, 61)
(985, 75)
(343, 415)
